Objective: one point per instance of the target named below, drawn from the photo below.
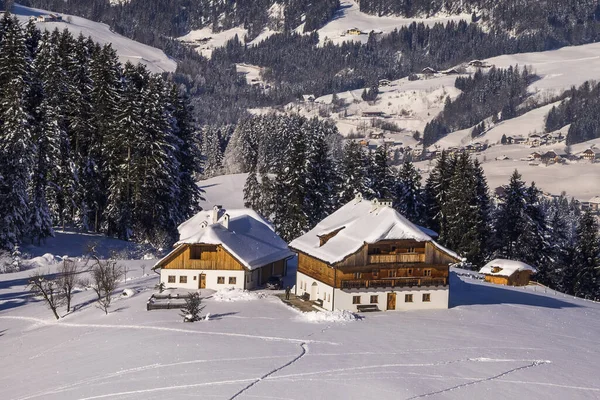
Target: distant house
(591, 154)
(550, 157)
(594, 204)
(364, 142)
(518, 140)
(366, 257)
(384, 82)
(49, 18)
(534, 140)
(428, 71)
(222, 248)
(354, 31)
(451, 71)
(507, 272)
(372, 114)
(535, 156)
(308, 98)
(502, 158)
(479, 64)
(376, 135)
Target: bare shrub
(47, 288)
(105, 276)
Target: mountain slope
(127, 49)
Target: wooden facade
(204, 257)
(518, 278)
(390, 263)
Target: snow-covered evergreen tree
(408, 196)
(352, 172)
(587, 258)
(510, 219)
(16, 144)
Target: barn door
(202, 281)
(391, 301)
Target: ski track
(266, 376)
(475, 382)
(143, 368)
(158, 328)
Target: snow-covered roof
(595, 200)
(242, 232)
(358, 222)
(504, 267)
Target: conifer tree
(352, 171)
(510, 219)
(408, 199)
(16, 144)
(587, 258)
(380, 175)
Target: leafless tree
(105, 276)
(48, 289)
(67, 279)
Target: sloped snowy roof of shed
(595, 200)
(506, 267)
(359, 221)
(248, 238)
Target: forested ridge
(296, 65)
(88, 143)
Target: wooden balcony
(394, 283)
(396, 258)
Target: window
(171, 278)
(411, 249)
(392, 273)
(355, 299)
(408, 298)
(328, 298)
(409, 272)
(374, 299)
(220, 280)
(195, 253)
(427, 272)
(426, 297)
(357, 275)
(232, 280)
(375, 273)
(195, 277)
(183, 279)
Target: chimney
(374, 204)
(215, 213)
(358, 198)
(225, 221)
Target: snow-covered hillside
(494, 343)
(349, 16)
(127, 49)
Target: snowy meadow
(494, 342)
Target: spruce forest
(88, 143)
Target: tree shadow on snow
(463, 293)
(220, 316)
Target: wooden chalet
(354, 31)
(507, 272)
(366, 256)
(591, 154)
(224, 249)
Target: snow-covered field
(559, 69)
(127, 49)
(349, 16)
(493, 343)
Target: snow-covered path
(493, 343)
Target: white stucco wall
(438, 297)
(304, 283)
(211, 278)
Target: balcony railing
(393, 283)
(396, 258)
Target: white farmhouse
(222, 248)
(367, 257)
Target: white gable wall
(316, 290)
(211, 278)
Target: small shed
(507, 272)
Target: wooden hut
(507, 272)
